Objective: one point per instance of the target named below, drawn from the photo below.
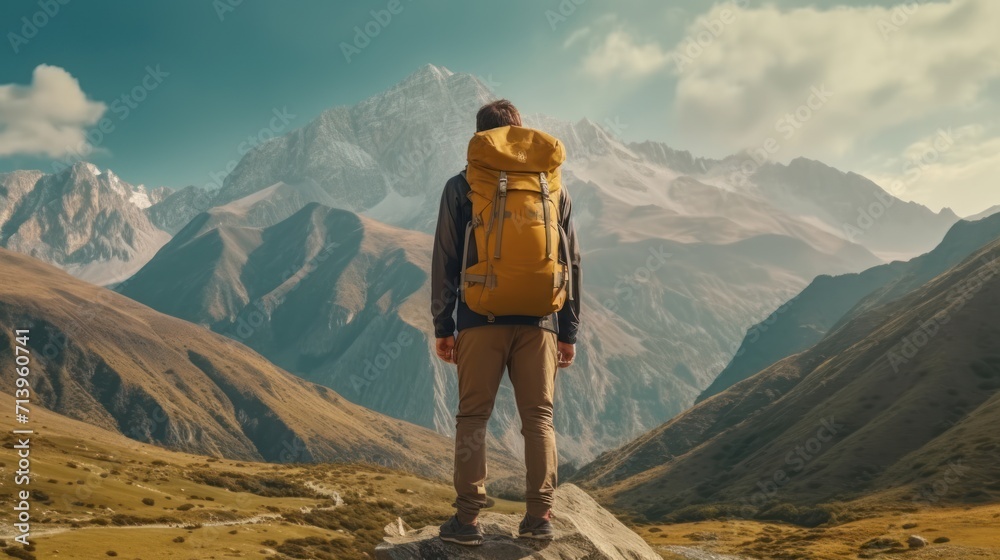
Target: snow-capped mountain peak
(85, 220)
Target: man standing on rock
(506, 257)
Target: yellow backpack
(513, 173)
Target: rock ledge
(583, 530)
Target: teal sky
(229, 69)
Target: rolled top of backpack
(516, 148)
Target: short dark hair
(496, 114)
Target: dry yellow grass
(972, 532)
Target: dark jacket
(446, 268)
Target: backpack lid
(516, 148)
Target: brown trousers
(529, 355)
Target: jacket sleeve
(446, 263)
(569, 315)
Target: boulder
(916, 541)
(397, 528)
(583, 530)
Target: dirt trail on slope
(245, 521)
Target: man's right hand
(566, 353)
(445, 348)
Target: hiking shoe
(536, 528)
(457, 532)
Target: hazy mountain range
(985, 213)
(681, 255)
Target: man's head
(496, 114)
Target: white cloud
(886, 66)
(955, 168)
(620, 55)
(576, 36)
(747, 76)
(48, 117)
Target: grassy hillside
(830, 300)
(116, 364)
(898, 401)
